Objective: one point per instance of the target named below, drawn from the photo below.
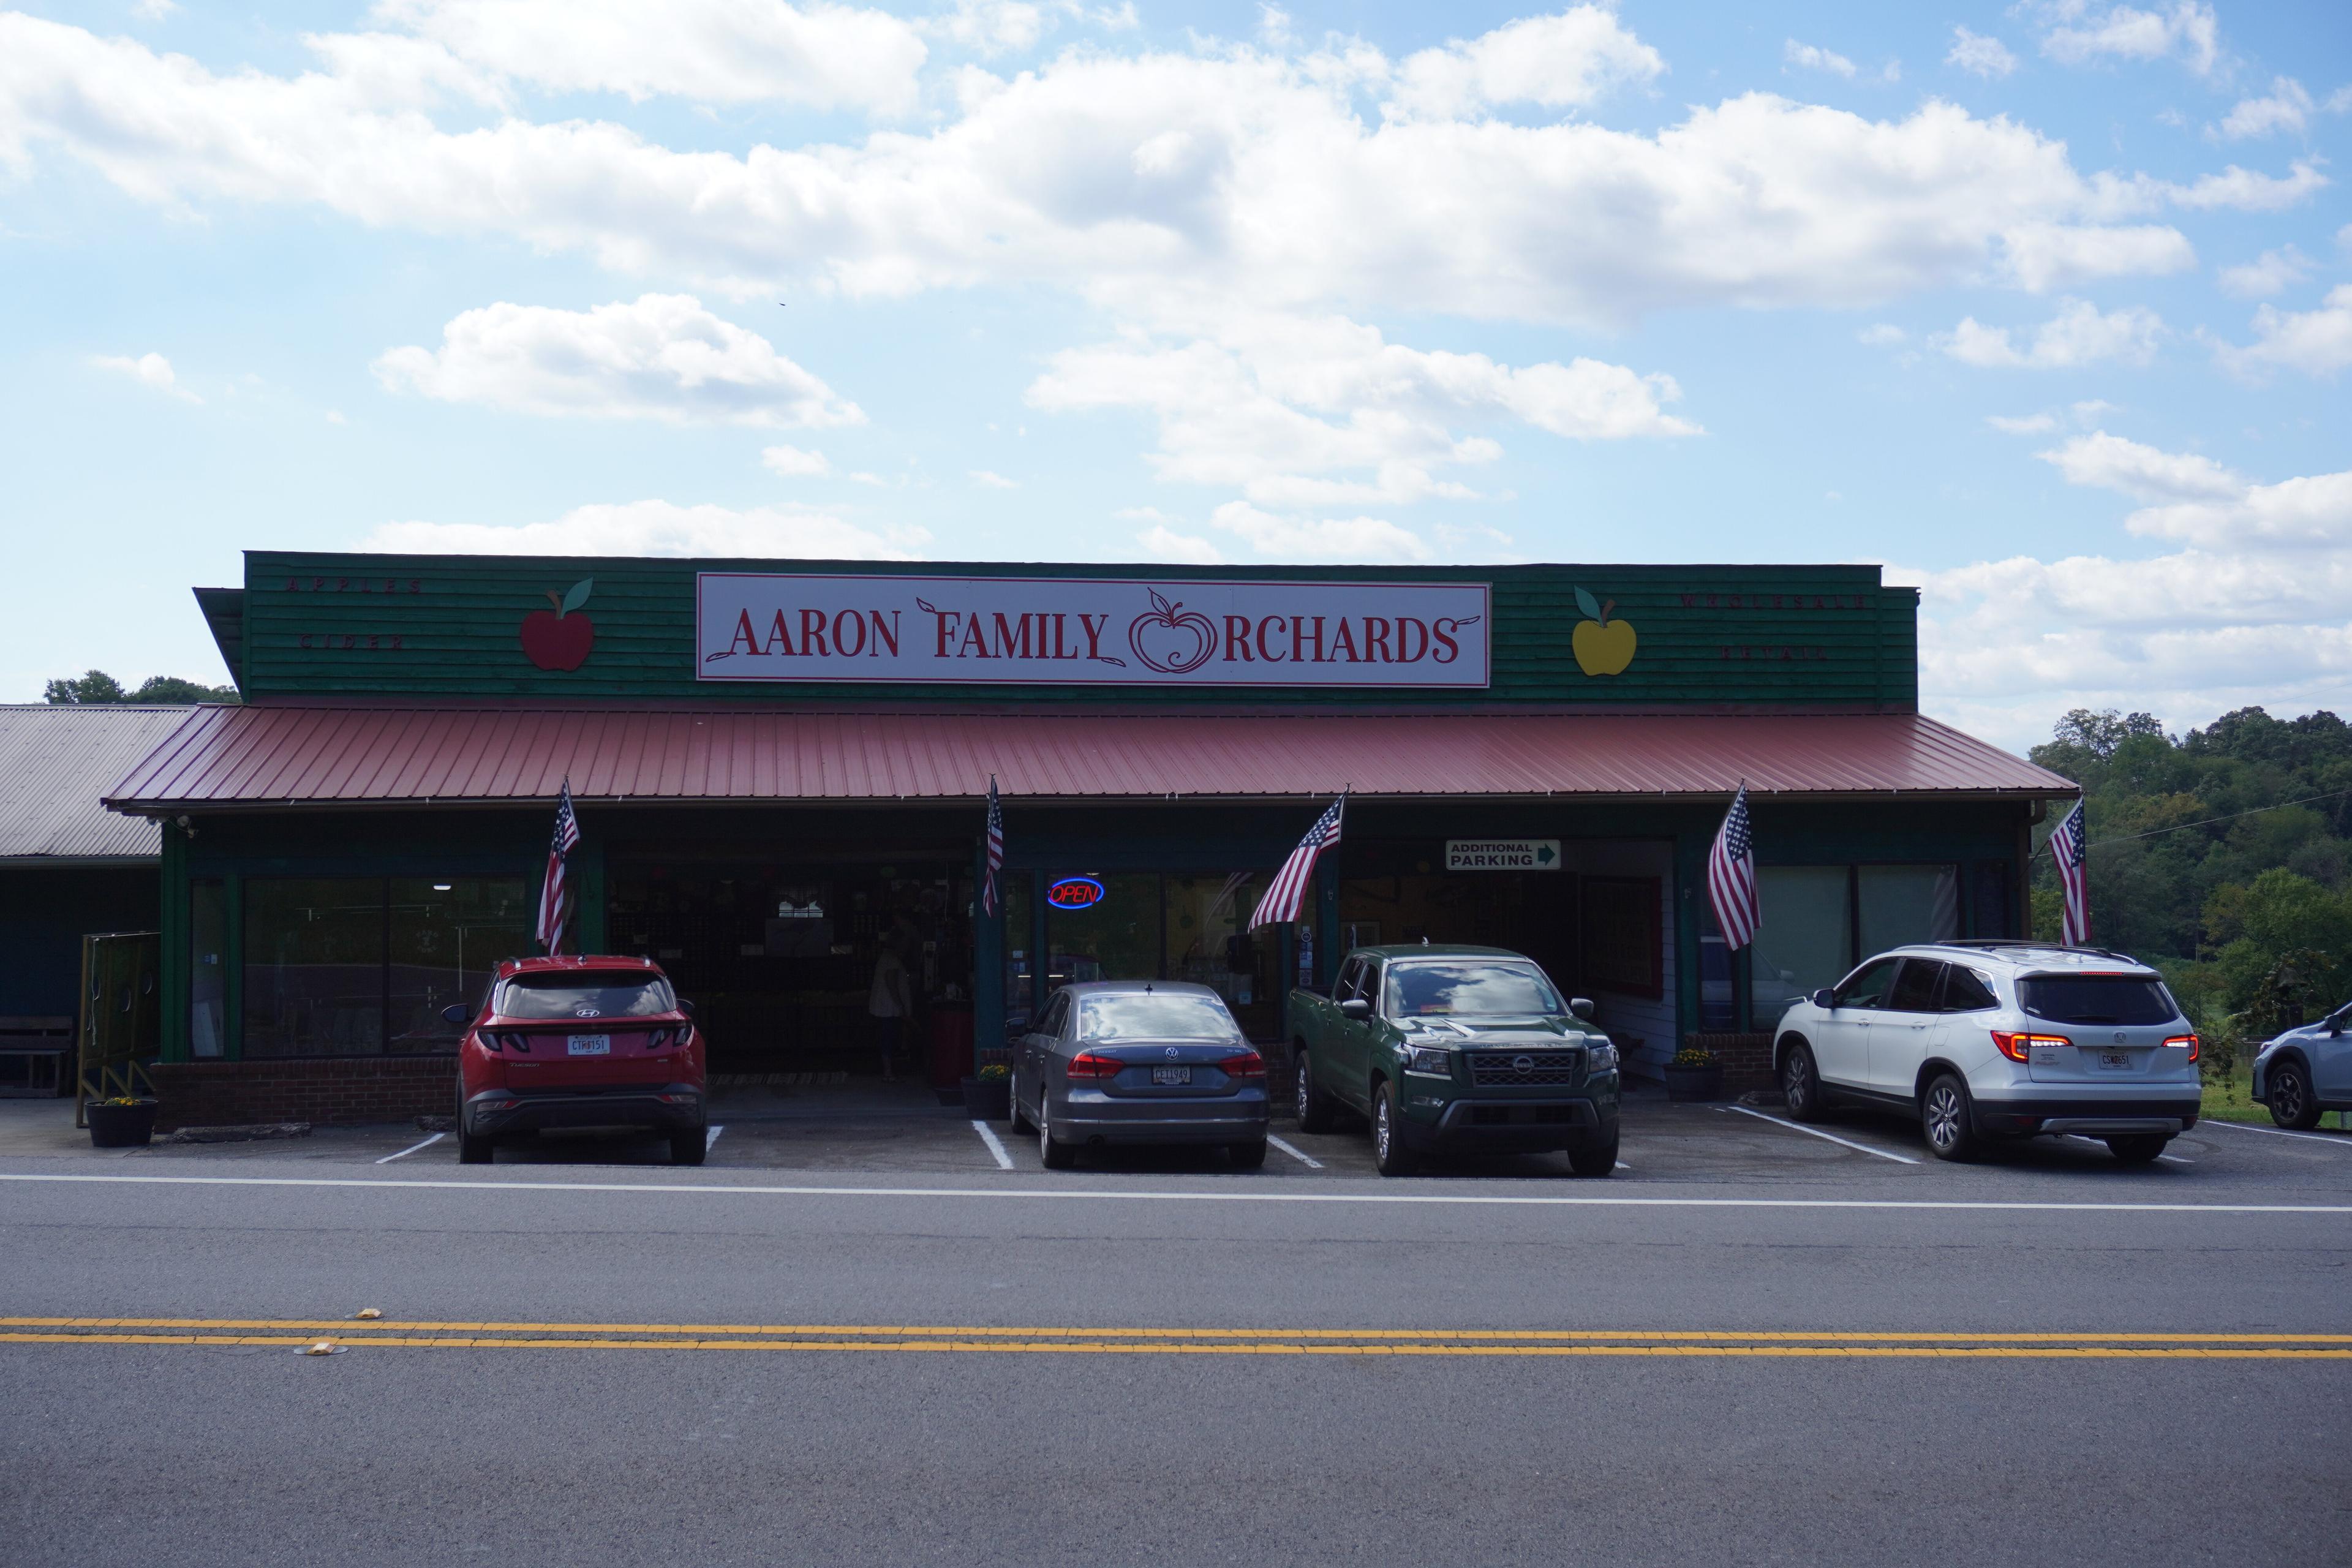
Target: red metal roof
(319, 755)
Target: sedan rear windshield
(1150, 1016)
(1469, 990)
(585, 996)
(2097, 999)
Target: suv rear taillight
(2191, 1041)
(2020, 1047)
(1086, 1065)
(1249, 1064)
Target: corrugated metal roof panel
(56, 764)
(311, 755)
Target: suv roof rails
(2001, 941)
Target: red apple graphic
(559, 640)
(1170, 643)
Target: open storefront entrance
(1146, 925)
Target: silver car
(1119, 1061)
(2307, 1072)
(1985, 1040)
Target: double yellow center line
(347, 1333)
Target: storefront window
(313, 966)
(1019, 995)
(208, 969)
(446, 937)
(1804, 941)
(1898, 904)
(1102, 927)
(1208, 942)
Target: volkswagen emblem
(1523, 1064)
(1173, 1053)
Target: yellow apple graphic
(1603, 647)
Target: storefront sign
(1502, 854)
(1074, 893)
(1061, 631)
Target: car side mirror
(1824, 998)
(1581, 1007)
(457, 1013)
(1016, 1025)
(685, 1006)
(1356, 1007)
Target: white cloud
(1808, 58)
(2023, 424)
(1560, 62)
(2147, 473)
(795, 462)
(2287, 108)
(153, 10)
(1161, 543)
(1979, 55)
(2266, 275)
(2187, 30)
(989, 479)
(661, 356)
(713, 51)
(2317, 342)
(660, 528)
(1322, 410)
(1882, 335)
(149, 369)
(1352, 539)
(2078, 335)
(1226, 176)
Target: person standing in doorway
(890, 1002)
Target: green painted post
(1690, 876)
(987, 954)
(172, 922)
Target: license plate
(1171, 1075)
(590, 1045)
(2114, 1060)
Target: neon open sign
(1074, 893)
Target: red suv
(579, 1042)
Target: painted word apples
(1170, 643)
(1603, 647)
(559, 639)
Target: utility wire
(2232, 817)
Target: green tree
(156, 690)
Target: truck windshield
(1169, 1016)
(2096, 998)
(578, 996)
(1468, 990)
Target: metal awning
(355, 756)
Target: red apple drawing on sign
(559, 639)
(1170, 643)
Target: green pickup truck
(1455, 1048)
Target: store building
(779, 765)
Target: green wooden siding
(385, 625)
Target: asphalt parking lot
(862, 1132)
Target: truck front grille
(1510, 1069)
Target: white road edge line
(995, 1145)
(411, 1148)
(2206, 1122)
(1309, 1161)
(1269, 1194)
(1817, 1132)
(711, 1137)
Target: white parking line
(1795, 1127)
(2204, 1122)
(1623, 1166)
(411, 1148)
(995, 1145)
(711, 1137)
(1309, 1161)
(2175, 1160)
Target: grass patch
(2228, 1102)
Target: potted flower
(988, 1093)
(123, 1121)
(1693, 1075)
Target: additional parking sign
(1502, 854)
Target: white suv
(1984, 1040)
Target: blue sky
(2046, 307)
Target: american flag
(2070, 846)
(1288, 890)
(1731, 876)
(554, 892)
(996, 849)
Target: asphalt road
(1753, 1345)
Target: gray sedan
(1134, 1061)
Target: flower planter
(120, 1126)
(1694, 1083)
(988, 1099)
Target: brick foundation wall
(330, 1091)
(1746, 1058)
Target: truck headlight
(1601, 1057)
(1430, 1063)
